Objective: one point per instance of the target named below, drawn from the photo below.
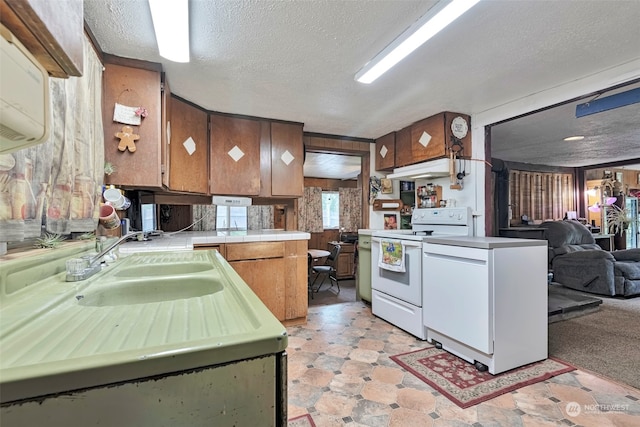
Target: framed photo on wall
(390, 221)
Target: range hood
(431, 169)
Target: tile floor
(341, 374)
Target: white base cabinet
(485, 299)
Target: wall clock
(459, 127)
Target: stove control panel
(445, 216)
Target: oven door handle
(406, 243)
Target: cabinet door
(411, 148)
(295, 283)
(436, 147)
(287, 158)
(265, 278)
(133, 87)
(188, 148)
(235, 155)
(53, 31)
(385, 152)
(403, 154)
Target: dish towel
(391, 255)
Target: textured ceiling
(295, 60)
(610, 136)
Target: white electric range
(396, 265)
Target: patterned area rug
(463, 384)
(301, 421)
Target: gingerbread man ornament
(127, 139)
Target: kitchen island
(272, 262)
(155, 339)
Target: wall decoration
(374, 188)
(390, 222)
(386, 186)
(127, 139)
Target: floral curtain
(77, 172)
(350, 208)
(310, 211)
(62, 177)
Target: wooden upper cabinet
(430, 139)
(188, 169)
(235, 154)
(287, 159)
(404, 155)
(386, 152)
(53, 31)
(134, 87)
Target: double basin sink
(152, 277)
(147, 314)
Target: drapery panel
(350, 208)
(61, 178)
(540, 195)
(310, 211)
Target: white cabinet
(485, 299)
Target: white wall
(473, 193)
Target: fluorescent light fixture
(171, 24)
(438, 17)
(574, 138)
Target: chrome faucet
(83, 268)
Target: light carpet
(605, 342)
(463, 384)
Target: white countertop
(187, 239)
(367, 231)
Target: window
(231, 218)
(330, 209)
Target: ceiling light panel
(171, 25)
(438, 17)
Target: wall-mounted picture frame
(390, 221)
(619, 177)
(638, 177)
(387, 186)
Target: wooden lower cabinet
(264, 277)
(346, 260)
(277, 273)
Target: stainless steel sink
(153, 270)
(145, 290)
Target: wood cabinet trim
(254, 250)
(53, 32)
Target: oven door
(407, 285)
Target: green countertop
(52, 341)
